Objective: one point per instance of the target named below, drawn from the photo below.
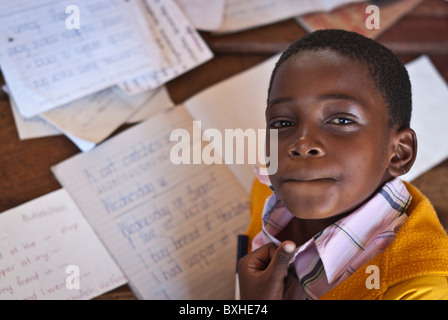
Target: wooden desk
(25, 165)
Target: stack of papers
(88, 68)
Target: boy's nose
(305, 147)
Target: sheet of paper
(46, 64)
(171, 228)
(83, 145)
(237, 102)
(179, 41)
(429, 115)
(34, 127)
(244, 14)
(159, 102)
(204, 14)
(93, 118)
(49, 251)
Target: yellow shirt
(413, 266)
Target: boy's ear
(405, 152)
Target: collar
(420, 250)
(374, 224)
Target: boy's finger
(281, 258)
(259, 259)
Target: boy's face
(334, 139)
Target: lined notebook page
(172, 229)
(48, 251)
(237, 102)
(177, 39)
(47, 64)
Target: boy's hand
(262, 273)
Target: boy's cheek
(274, 181)
(272, 151)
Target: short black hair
(386, 70)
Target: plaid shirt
(339, 250)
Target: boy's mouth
(308, 179)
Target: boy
(341, 224)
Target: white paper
(429, 115)
(93, 118)
(40, 241)
(159, 102)
(46, 65)
(204, 14)
(179, 41)
(30, 128)
(237, 102)
(171, 228)
(244, 14)
(83, 145)
(34, 127)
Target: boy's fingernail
(289, 247)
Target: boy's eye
(282, 124)
(342, 121)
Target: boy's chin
(313, 212)
(313, 207)
(310, 205)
